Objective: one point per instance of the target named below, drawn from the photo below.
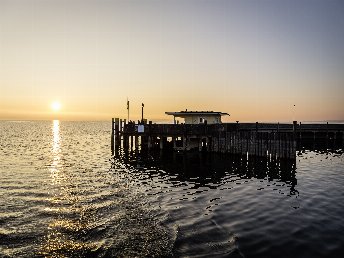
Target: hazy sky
(253, 59)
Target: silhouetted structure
(198, 117)
(259, 139)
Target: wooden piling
(136, 142)
(117, 135)
(112, 137)
(161, 143)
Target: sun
(56, 106)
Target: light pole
(294, 112)
(128, 108)
(142, 113)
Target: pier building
(198, 117)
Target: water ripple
(63, 195)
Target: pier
(258, 139)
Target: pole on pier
(128, 108)
(142, 112)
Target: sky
(258, 60)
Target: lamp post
(142, 113)
(294, 112)
(128, 108)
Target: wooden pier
(258, 139)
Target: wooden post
(294, 127)
(131, 142)
(257, 141)
(335, 138)
(112, 137)
(267, 138)
(294, 135)
(300, 137)
(261, 143)
(126, 141)
(161, 143)
(184, 143)
(117, 139)
(136, 138)
(149, 142)
(327, 135)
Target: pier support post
(184, 143)
(117, 139)
(131, 142)
(300, 136)
(161, 143)
(112, 136)
(207, 144)
(174, 146)
(294, 127)
(136, 142)
(149, 144)
(327, 136)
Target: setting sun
(56, 106)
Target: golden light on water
(56, 150)
(58, 243)
(56, 136)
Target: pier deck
(260, 139)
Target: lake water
(62, 194)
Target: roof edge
(188, 113)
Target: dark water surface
(63, 195)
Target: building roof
(192, 113)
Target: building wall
(196, 119)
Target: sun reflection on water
(56, 152)
(68, 221)
(56, 136)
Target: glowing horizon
(253, 61)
